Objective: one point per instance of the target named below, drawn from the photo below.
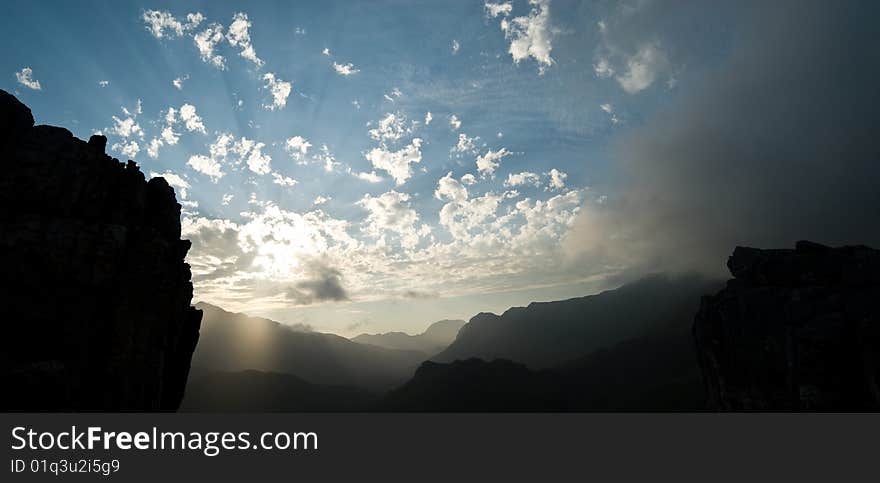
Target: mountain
(657, 371)
(94, 288)
(434, 339)
(546, 334)
(255, 391)
(232, 342)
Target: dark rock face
(794, 330)
(94, 290)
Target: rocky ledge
(794, 330)
(94, 290)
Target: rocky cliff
(794, 330)
(94, 290)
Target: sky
(377, 166)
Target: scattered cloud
(239, 36)
(396, 163)
(191, 120)
(206, 166)
(454, 122)
(391, 213)
(279, 89)
(523, 178)
(345, 70)
(103, 83)
(530, 35)
(25, 77)
(489, 162)
(557, 179)
(178, 82)
(455, 46)
(297, 147)
(495, 9)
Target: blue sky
(335, 201)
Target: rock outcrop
(794, 330)
(94, 291)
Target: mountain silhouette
(546, 334)
(434, 339)
(94, 288)
(233, 342)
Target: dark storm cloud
(324, 284)
(781, 142)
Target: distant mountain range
(546, 334)
(624, 349)
(233, 342)
(434, 339)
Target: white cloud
(455, 46)
(282, 180)
(320, 200)
(279, 90)
(607, 108)
(169, 137)
(104, 83)
(391, 212)
(206, 41)
(178, 82)
(469, 179)
(428, 118)
(126, 127)
(226, 199)
(450, 189)
(153, 148)
(370, 177)
(326, 51)
(25, 77)
(520, 179)
(489, 162)
(642, 69)
(531, 35)
(179, 183)
(239, 35)
(396, 163)
(390, 128)
(466, 144)
(297, 147)
(257, 161)
(130, 149)
(191, 120)
(495, 9)
(162, 24)
(206, 166)
(557, 179)
(454, 122)
(345, 69)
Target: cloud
(345, 69)
(775, 143)
(178, 82)
(520, 179)
(450, 189)
(557, 179)
(282, 180)
(126, 127)
(103, 83)
(495, 9)
(454, 122)
(390, 212)
(468, 179)
(320, 200)
(326, 51)
(370, 177)
(530, 35)
(129, 149)
(297, 147)
(238, 35)
(322, 283)
(455, 46)
(162, 24)
(428, 118)
(279, 90)
(206, 166)
(489, 162)
(206, 41)
(258, 162)
(25, 77)
(396, 163)
(390, 128)
(191, 120)
(642, 69)
(466, 145)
